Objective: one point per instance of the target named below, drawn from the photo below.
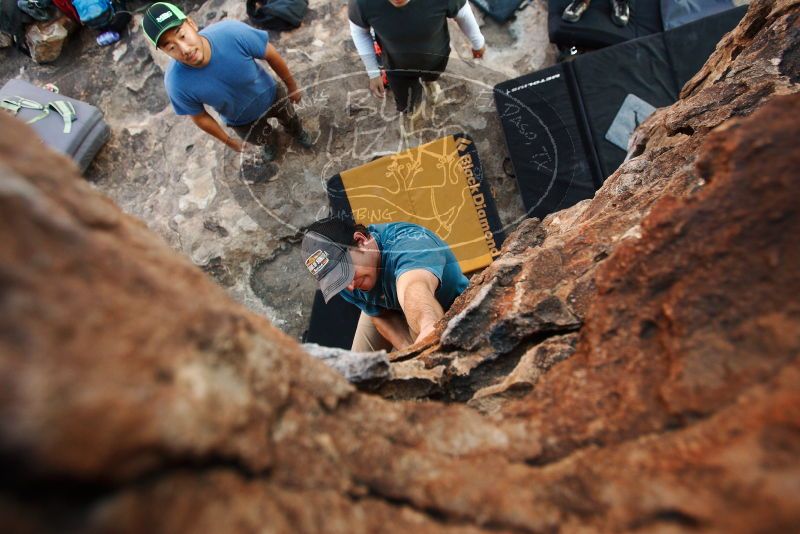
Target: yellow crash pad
(438, 185)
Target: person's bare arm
(206, 122)
(416, 291)
(393, 327)
(280, 67)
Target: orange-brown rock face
(546, 281)
(637, 355)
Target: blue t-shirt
(405, 247)
(232, 83)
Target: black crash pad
(546, 136)
(596, 30)
(690, 45)
(499, 10)
(640, 67)
(438, 185)
(332, 324)
(556, 121)
(675, 13)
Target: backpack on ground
(96, 14)
(279, 15)
(38, 9)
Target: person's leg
(258, 132)
(575, 10)
(433, 92)
(406, 89)
(415, 94)
(435, 73)
(283, 110)
(367, 338)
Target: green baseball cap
(159, 18)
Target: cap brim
(338, 278)
(173, 24)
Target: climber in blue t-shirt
(402, 276)
(217, 67)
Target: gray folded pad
(676, 13)
(631, 114)
(88, 132)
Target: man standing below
(415, 44)
(217, 67)
(402, 276)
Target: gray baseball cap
(327, 256)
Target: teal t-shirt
(405, 247)
(232, 83)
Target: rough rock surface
(127, 375)
(356, 367)
(547, 279)
(187, 188)
(137, 397)
(652, 356)
(46, 39)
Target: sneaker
(620, 12)
(304, 139)
(270, 152)
(433, 93)
(575, 10)
(259, 174)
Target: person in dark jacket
(415, 44)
